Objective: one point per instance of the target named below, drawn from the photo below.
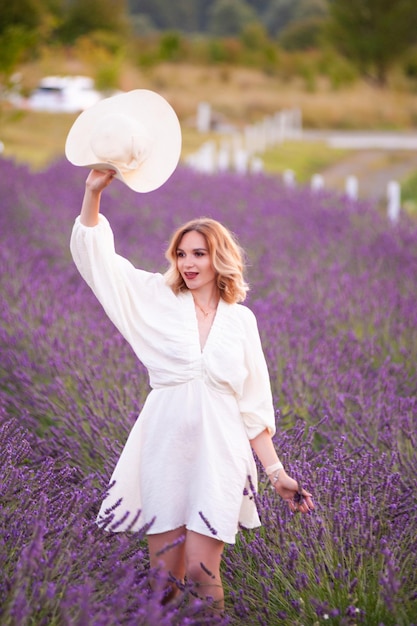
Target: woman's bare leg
(167, 553)
(202, 566)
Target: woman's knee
(202, 557)
(198, 572)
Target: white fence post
(351, 187)
(394, 200)
(203, 117)
(253, 140)
(240, 160)
(223, 157)
(317, 182)
(256, 165)
(289, 178)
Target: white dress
(188, 460)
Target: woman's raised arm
(97, 180)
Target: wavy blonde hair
(226, 256)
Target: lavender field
(334, 287)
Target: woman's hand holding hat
(97, 180)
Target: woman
(187, 469)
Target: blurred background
(328, 88)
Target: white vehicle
(64, 94)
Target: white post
(209, 157)
(204, 160)
(268, 132)
(298, 123)
(223, 157)
(203, 117)
(317, 182)
(288, 178)
(351, 187)
(248, 133)
(394, 201)
(240, 160)
(279, 127)
(256, 165)
(283, 125)
(237, 141)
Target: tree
(229, 17)
(25, 14)
(373, 34)
(302, 34)
(278, 15)
(307, 9)
(86, 16)
(182, 15)
(14, 43)
(24, 24)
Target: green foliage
(258, 49)
(278, 15)
(27, 14)
(409, 194)
(14, 42)
(26, 25)
(229, 17)
(105, 43)
(107, 77)
(311, 8)
(224, 50)
(302, 35)
(338, 69)
(193, 16)
(171, 46)
(304, 158)
(373, 34)
(410, 66)
(254, 36)
(183, 15)
(87, 16)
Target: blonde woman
(187, 469)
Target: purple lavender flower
(333, 285)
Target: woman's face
(193, 261)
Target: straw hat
(136, 133)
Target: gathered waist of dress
(205, 380)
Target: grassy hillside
(238, 96)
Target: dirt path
(373, 170)
(373, 167)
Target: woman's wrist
(273, 471)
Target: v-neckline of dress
(193, 313)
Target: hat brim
(162, 126)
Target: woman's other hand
(298, 498)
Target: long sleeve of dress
(137, 302)
(113, 279)
(255, 401)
